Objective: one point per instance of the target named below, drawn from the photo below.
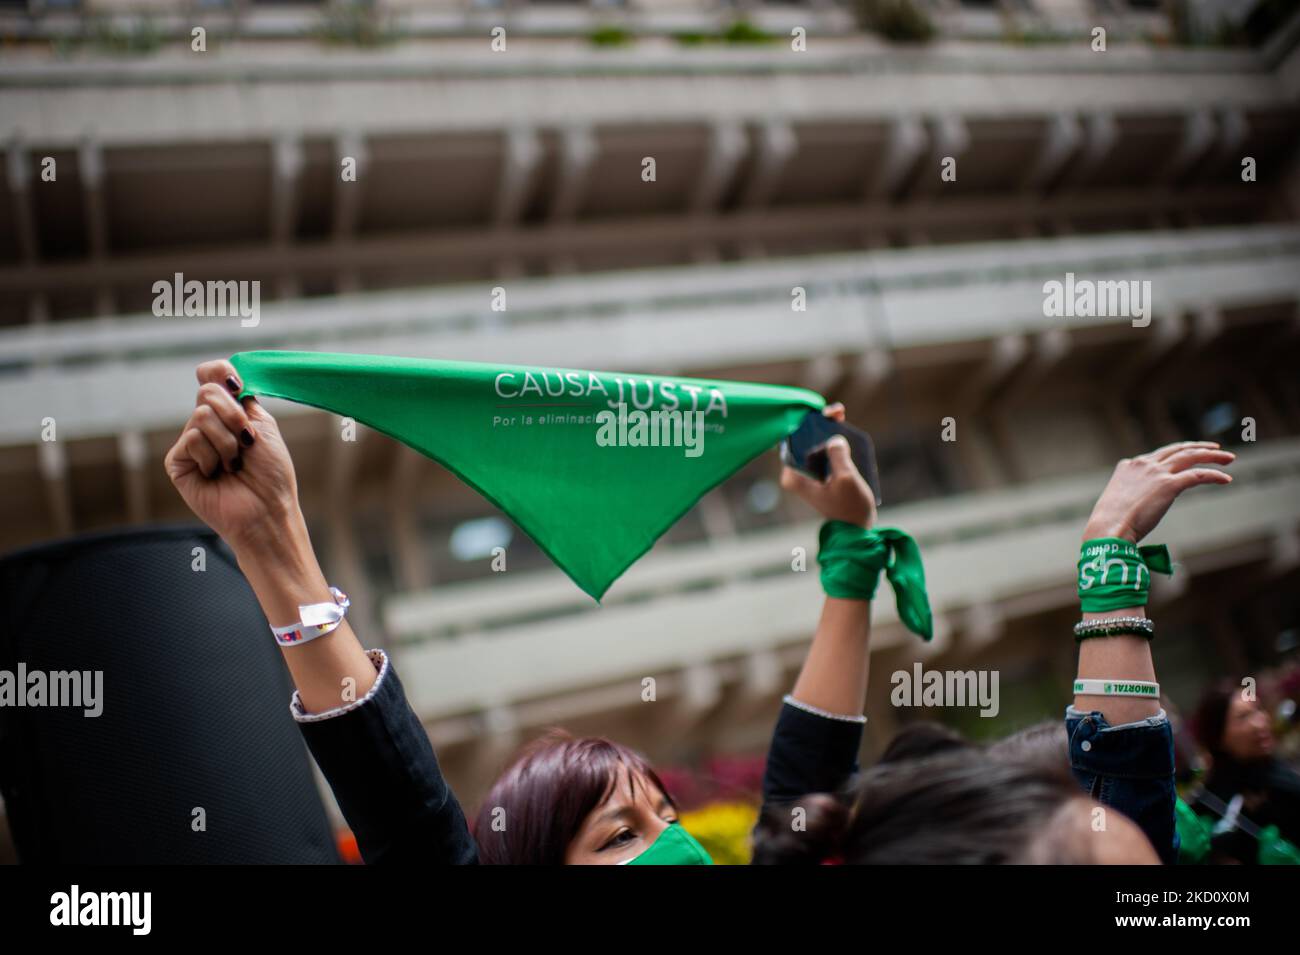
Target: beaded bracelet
(1115, 627)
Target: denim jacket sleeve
(377, 758)
(1129, 767)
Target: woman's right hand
(232, 468)
(230, 463)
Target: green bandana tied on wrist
(593, 466)
(1115, 573)
(852, 557)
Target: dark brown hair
(922, 739)
(957, 807)
(543, 797)
(1045, 744)
(1211, 716)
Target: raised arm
(1139, 493)
(1121, 747)
(231, 466)
(815, 743)
(834, 674)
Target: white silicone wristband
(1117, 688)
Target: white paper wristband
(315, 620)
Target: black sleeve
(1284, 801)
(385, 776)
(809, 754)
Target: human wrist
(858, 517)
(1113, 615)
(280, 531)
(281, 567)
(862, 522)
(1101, 527)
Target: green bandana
(1115, 573)
(852, 558)
(593, 466)
(1194, 834)
(675, 846)
(1274, 850)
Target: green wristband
(852, 557)
(1115, 573)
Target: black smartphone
(805, 450)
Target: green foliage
(742, 31)
(1031, 36)
(739, 32)
(357, 24)
(610, 36)
(693, 38)
(104, 34)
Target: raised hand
(230, 463)
(844, 495)
(1141, 489)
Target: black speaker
(193, 757)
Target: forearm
(282, 570)
(1123, 757)
(834, 674)
(1117, 658)
(1121, 748)
(1138, 495)
(376, 757)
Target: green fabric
(852, 557)
(526, 439)
(675, 846)
(1194, 834)
(1115, 573)
(1274, 850)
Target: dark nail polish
(246, 436)
(236, 465)
(233, 384)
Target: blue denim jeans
(1129, 767)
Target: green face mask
(593, 485)
(675, 846)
